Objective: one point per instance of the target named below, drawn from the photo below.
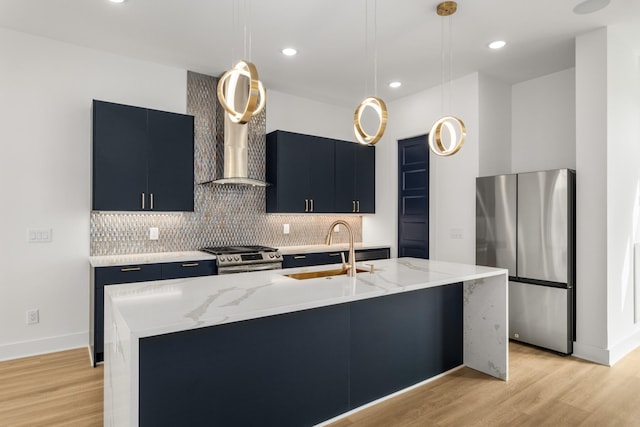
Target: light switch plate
(39, 235)
(285, 228)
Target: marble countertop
(150, 258)
(161, 307)
(159, 257)
(307, 249)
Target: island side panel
(486, 325)
(285, 370)
(402, 339)
(120, 370)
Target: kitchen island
(265, 348)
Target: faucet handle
(344, 262)
(372, 268)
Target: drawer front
(307, 260)
(127, 274)
(371, 254)
(178, 270)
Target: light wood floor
(543, 389)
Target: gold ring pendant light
(454, 126)
(373, 102)
(242, 77)
(380, 108)
(228, 85)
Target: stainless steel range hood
(236, 155)
(236, 152)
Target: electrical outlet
(285, 229)
(33, 316)
(336, 229)
(455, 233)
(154, 233)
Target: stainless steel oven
(240, 259)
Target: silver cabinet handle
(311, 205)
(357, 202)
(336, 254)
(130, 269)
(306, 205)
(191, 264)
(299, 257)
(354, 206)
(142, 200)
(151, 201)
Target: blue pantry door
(413, 197)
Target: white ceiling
(331, 66)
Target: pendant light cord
(375, 48)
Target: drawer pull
(130, 269)
(335, 254)
(299, 257)
(192, 264)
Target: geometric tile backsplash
(223, 214)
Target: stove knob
(277, 255)
(237, 258)
(271, 255)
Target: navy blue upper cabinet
(300, 169)
(355, 178)
(319, 175)
(142, 159)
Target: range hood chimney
(236, 160)
(236, 152)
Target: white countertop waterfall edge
(137, 310)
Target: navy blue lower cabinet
(403, 339)
(286, 370)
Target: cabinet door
(345, 174)
(355, 177)
(170, 161)
(119, 156)
(321, 170)
(365, 178)
(288, 174)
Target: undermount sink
(322, 273)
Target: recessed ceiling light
(116, 1)
(498, 44)
(590, 6)
(289, 51)
(395, 84)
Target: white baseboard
(624, 347)
(591, 353)
(609, 356)
(43, 346)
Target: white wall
(623, 184)
(452, 186)
(495, 112)
(47, 88)
(543, 123)
(295, 114)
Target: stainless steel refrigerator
(526, 224)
